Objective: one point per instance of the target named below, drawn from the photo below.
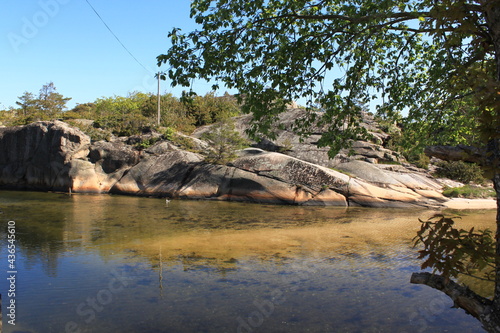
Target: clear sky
(65, 42)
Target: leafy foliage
(421, 160)
(209, 108)
(225, 141)
(121, 115)
(454, 251)
(184, 142)
(147, 143)
(167, 132)
(95, 134)
(125, 114)
(434, 60)
(47, 106)
(470, 192)
(460, 171)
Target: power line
(118, 39)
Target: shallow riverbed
(100, 263)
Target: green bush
(224, 141)
(421, 161)
(167, 132)
(460, 171)
(96, 134)
(184, 142)
(147, 143)
(470, 192)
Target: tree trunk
(492, 15)
(496, 183)
(492, 11)
(493, 154)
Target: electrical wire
(118, 39)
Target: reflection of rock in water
(324, 234)
(208, 233)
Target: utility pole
(159, 100)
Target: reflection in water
(129, 264)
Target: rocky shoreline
(53, 156)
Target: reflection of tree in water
(40, 232)
(467, 256)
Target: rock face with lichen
(54, 156)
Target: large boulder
(323, 186)
(37, 156)
(159, 175)
(105, 165)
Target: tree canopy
(48, 105)
(432, 60)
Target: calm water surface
(89, 263)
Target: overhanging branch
(463, 297)
(351, 19)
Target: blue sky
(63, 41)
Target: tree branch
(463, 297)
(354, 20)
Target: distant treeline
(124, 115)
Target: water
(89, 263)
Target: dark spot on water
(379, 257)
(226, 269)
(144, 282)
(95, 238)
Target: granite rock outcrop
(54, 156)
